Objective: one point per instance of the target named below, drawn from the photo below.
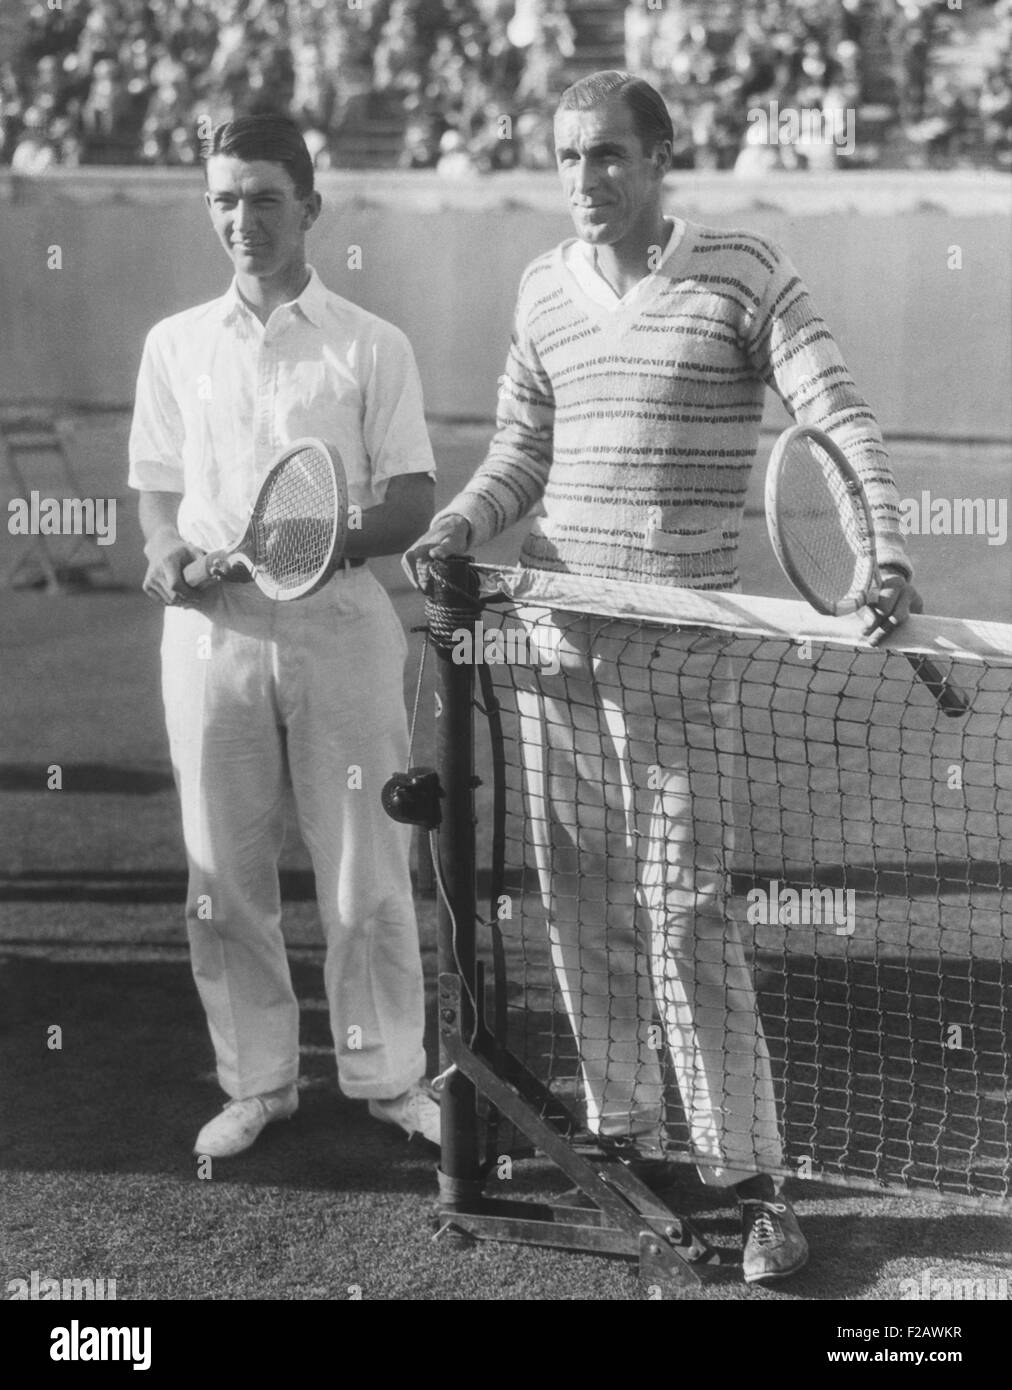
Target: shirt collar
(311, 302)
(586, 250)
(313, 299)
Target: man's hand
(450, 535)
(896, 600)
(168, 554)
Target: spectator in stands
(314, 94)
(545, 73)
(11, 112)
(421, 142)
(535, 137)
(916, 24)
(170, 100)
(397, 60)
(50, 88)
(447, 74)
(455, 161)
(758, 156)
(34, 152)
(500, 60)
(105, 116)
(493, 143)
(66, 142)
(996, 115)
(98, 39)
(945, 129)
(848, 74)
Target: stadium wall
(912, 271)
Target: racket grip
(200, 572)
(951, 700)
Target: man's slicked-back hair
(651, 119)
(276, 139)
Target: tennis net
(748, 883)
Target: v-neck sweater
(636, 426)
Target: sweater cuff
(476, 512)
(893, 558)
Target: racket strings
(293, 525)
(823, 524)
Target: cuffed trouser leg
(628, 762)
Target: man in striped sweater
(630, 410)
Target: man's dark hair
(274, 138)
(651, 119)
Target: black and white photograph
(506, 629)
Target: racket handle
(951, 700)
(199, 573)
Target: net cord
(748, 615)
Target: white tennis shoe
(414, 1111)
(240, 1123)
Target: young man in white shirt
(261, 696)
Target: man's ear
(311, 210)
(662, 155)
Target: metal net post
(452, 605)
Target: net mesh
(293, 523)
(753, 892)
(822, 528)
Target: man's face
(609, 182)
(259, 218)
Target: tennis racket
(297, 529)
(821, 528)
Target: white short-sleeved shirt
(219, 395)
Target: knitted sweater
(637, 428)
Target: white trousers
(259, 696)
(629, 758)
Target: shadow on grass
(132, 1082)
(130, 1085)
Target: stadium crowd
(470, 82)
(899, 65)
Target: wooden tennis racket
(820, 524)
(297, 528)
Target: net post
(454, 602)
